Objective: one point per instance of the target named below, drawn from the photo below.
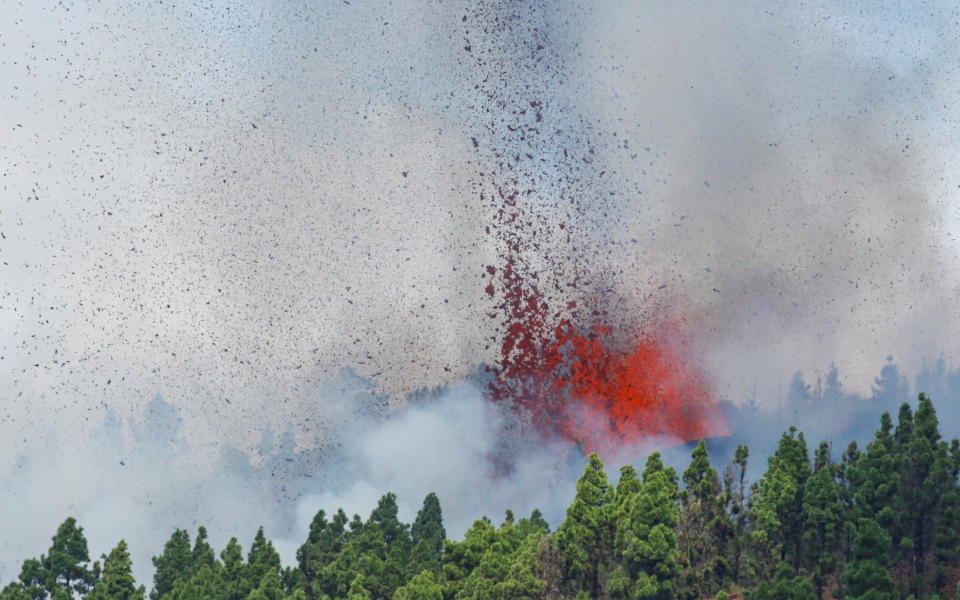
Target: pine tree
(236, 582)
(207, 584)
(421, 587)
(15, 591)
(377, 550)
(507, 567)
(262, 559)
(645, 542)
(395, 570)
(429, 525)
(177, 576)
(321, 548)
(385, 516)
(703, 530)
(627, 487)
(925, 468)
(67, 557)
(946, 539)
(873, 478)
(524, 580)
(291, 581)
(63, 571)
(460, 559)
(786, 586)
(867, 577)
(537, 523)
(357, 591)
(427, 535)
(735, 483)
(777, 504)
(203, 554)
(337, 578)
(176, 562)
(847, 530)
(585, 538)
(117, 582)
(823, 510)
(269, 588)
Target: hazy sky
(227, 203)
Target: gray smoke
(141, 489)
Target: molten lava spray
(577, 361)
(578, 382)
(571, 368)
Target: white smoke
(448, 448)
(450, 444)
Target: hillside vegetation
(877, 523)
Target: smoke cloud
(142, 491)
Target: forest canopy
(880, 523)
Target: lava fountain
(574, 363)
(571, 377)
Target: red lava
(612, 382)
(576, 382)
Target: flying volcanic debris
(572, 363)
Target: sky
(245, 209)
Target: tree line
(878, 523)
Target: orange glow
(576, 382)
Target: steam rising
(228, 204)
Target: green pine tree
(585, 538)
(117, 582)
(823, 510)
(203, 554)
(786, 586)
(427, 535)
(236, 581)
(703, 531)
(176, 562)
(735, 484)
(777, 504)
(357, 591)
(323, 545)
(925, 469)
(15, 591)
(946, 526)
(460, 559)
(385, 516)
(63, 572)
(421, 587)
(262, 559)
(867, 577)
(645, 541)
(873, 477)
(337, 578)
(207, 583)
(506, 566)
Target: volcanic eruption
(575, 362)
(576, 371)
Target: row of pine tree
(881, 523)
